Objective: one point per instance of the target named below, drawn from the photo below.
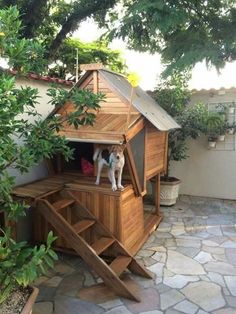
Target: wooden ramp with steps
(89, 238)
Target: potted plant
(25, 143)
(173, 95)
(215, 128)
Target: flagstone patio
(193, 257)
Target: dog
(112, 157)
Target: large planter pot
(169, 191)
(29, 305)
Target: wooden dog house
(93, 220)
(145, 138)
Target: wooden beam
(95, 82)
(91, 66)
(133, 169)
(157, 193)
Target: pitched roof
(143, 102)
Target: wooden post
(157, 193)
(95, 82)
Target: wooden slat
(102, 244)
(63, 203)
(120, 263)
(82, 225)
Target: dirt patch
(16, 301)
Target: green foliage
(20, 264)
(183, 32)
(25, 140)
(93, 52)
(174, 96)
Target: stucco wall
(210, 173)
(44, 109)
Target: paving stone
(209, 243)
(202, 312)
(162, 288)
(183, 265)
(89, 279)
(229, 245)
(70, 285)
(179, 281)
(149, 261)
(231, 256)
(157, 269)
(170, 298)
(164, 227)
(43, 308)
(215, 230)
(188, 243)
(186, 307)
(163, 235)
(188, 251)
(170, 243)
(213, 250)
(171, 311)
(177, 230)
(150, 300)
(152, 312)
(203, 257)
(231, 301)
(65, 305)
(53, 282)
(46, 293)
(145, 253)
(159, 248)
(225, 311)
(207, 295)
(220, 258)
(63, 269)
(111, 304)
(217, 278)
(40, 280)
(231, 284)
(160, 257)
(220, 268)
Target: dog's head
(117, 151)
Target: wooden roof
(143, 102)
(108, 128)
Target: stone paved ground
(193, 257)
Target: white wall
(44, 108)
(210, 173)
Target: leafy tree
(24, 144)
(96, 51)
(183, 32)
(173, 96)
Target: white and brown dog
(112, 157)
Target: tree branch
(81, 12)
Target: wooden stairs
(91, 239)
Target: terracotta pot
(29, 304)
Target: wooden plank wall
(155, 151)
(131, 219)
(121, 213)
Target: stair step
(82, 225)
(63, 203)
(102, 244)
(120, 263)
